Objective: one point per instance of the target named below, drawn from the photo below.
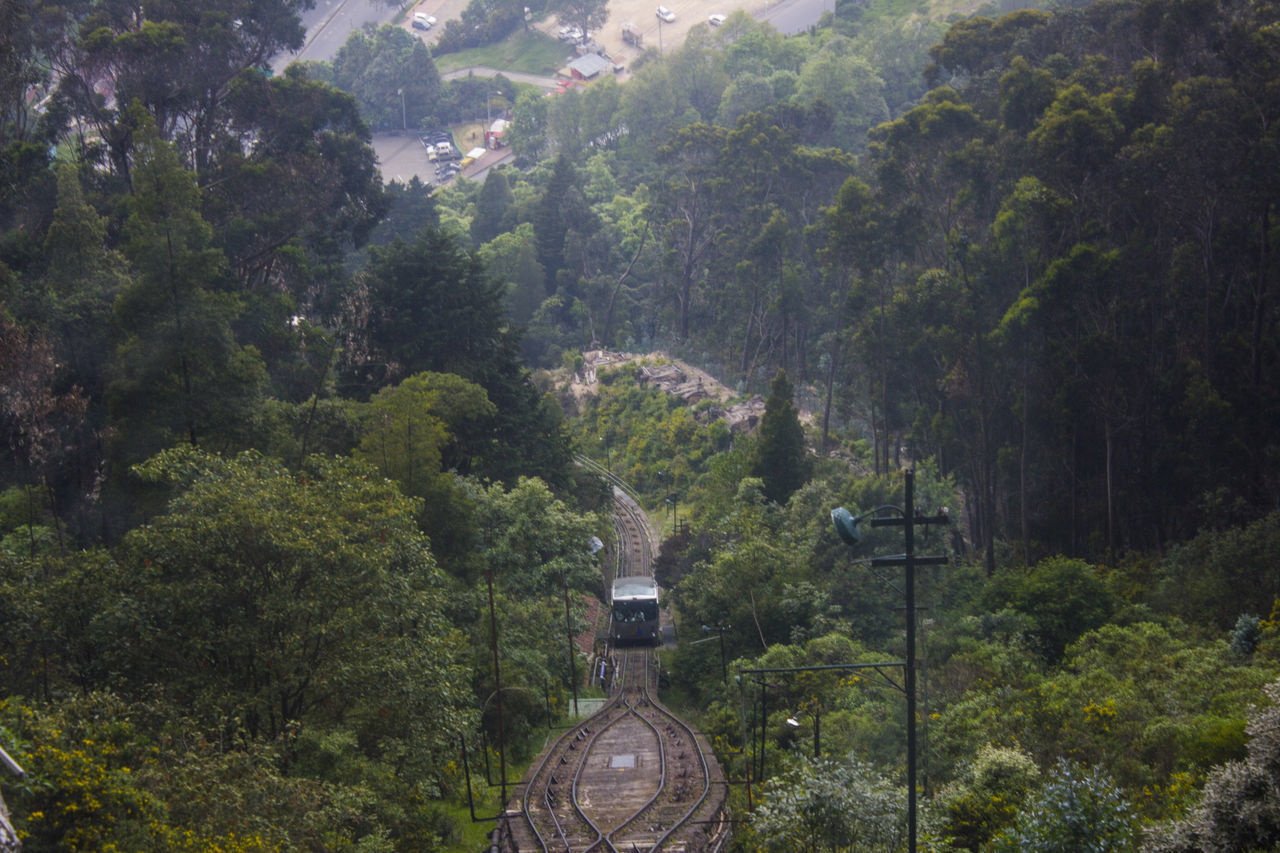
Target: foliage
(587, 15)
(241, 602)
(391, 75)
(1237, 810)
(481, 22)
(781, 457)
(1076, 809)
(985, 799)
(1246, 635)
(1152, 706)
(534, 551)
(180, 374)
(1214, 577)
(650, 438)
(1063, 598)
(433, 308)
(829, 805)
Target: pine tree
(781, 457)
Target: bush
(1077, 809)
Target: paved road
(331, 21)
(794, 16)
(547, 83)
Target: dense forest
(275, 431)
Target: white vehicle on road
(666, 14)
(715, 20)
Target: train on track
(633, 619)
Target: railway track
(633, 776)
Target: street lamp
(816, 713)
(707, 629)
(846, 524)
(404, 116)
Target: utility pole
(573, 658)
(847, 526)
(497, 682)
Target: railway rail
(633, 776)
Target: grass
(530, 52)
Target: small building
(589, 66)
(493, 136)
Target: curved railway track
(633, 776)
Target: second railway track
(633, 776)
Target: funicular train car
(634, 617)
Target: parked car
(715, 20)
(422, 21)
(666, 14)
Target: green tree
(420, 434)
(1076, 809)
(848, 84)
(831, 805)
(179, 374)
(587, 15)
(85, 276)
(968, 812)
(392, 76)
(527, 135)
(289, 207)
(1213, 578)
(177, 62)
(433, 308)
(512, 258)
(1064, 598)
(782, 459)
(270, 598)
(493, 208)
(1237, 808)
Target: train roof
(634, 586)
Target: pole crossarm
(901, 520)
(901, 560)
(877, 667)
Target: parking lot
(641, 13)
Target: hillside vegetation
(274, 432)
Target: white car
(666, 14)
(715, 20)
(422, 21)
